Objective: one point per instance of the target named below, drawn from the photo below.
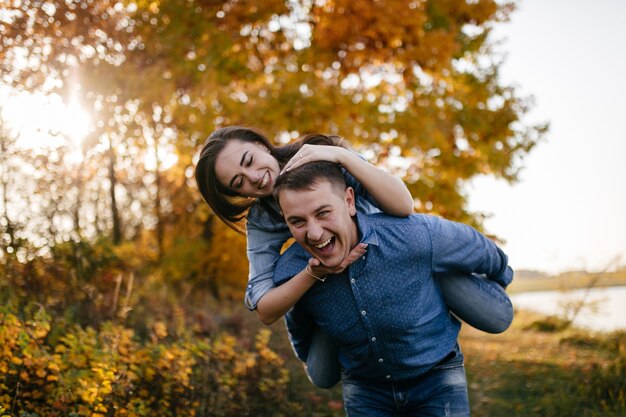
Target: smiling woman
(248, 168)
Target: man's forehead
(322, 186)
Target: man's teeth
(321, 245)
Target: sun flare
(42, 121)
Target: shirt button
(380, 360)
(374, 339)
(363, 312)
(353, 280)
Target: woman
(236, 173)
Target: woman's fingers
(309, 153)
(314, 262)
(354, 254)
(358, 251)
(297, 160)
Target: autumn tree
(414, 85)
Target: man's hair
(306, 176)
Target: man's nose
(314, 232)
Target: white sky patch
(567, 211)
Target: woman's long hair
(228, 205)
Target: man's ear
(350, 201)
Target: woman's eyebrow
(243, 158)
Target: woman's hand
(388, 191)
(310, 153)
(320, 270)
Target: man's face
(321, 221)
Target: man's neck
(355, 233)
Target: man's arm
(460, 247)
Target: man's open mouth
(325, 246)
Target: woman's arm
(279, 300)
(389, 192)
(265, 238)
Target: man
(397, 341)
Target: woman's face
(247, 168)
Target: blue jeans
(479, 302)
(440, 392)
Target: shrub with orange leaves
(109, 371)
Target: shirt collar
(366, 232)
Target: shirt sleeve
(460, 247)
(265, 239)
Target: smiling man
(397, 341)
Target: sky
(568, 211)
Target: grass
(523, 372)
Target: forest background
(120, 290)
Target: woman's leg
(477, 301)
(322, 364)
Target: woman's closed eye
(237, 183)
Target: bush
(549, 324)
(76, 371)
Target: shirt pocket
(402, 309)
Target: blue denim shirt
(267, 232)
(385, 311)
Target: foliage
(409, 81)
(47, 370)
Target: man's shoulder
(385, 220)
(290, 262)
(397, 234)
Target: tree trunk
(117, 229)
(9, 228)
(160, 227)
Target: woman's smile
(247, 168)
